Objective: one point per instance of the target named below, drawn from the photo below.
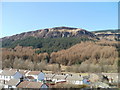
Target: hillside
(50, 39)
(105, 31)
(112, 35)
(72, 47)
(88, 52)
(54, 39)
(53, 33)
(63, 32)
(84, 55)
(45, 44)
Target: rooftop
(13, 82)
(59, 77)
(29, 84)
(8, 72)
(23, 71)
(34, 73)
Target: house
(13, 83)
(33, 74)
(23, 72)
(74, 79)
(59, 78)
(29, 84)
(39, 76)
(18, 75)
(8, 74)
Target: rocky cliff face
(54, 33)
(111, 35)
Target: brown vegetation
(88, 52)
(66, 85)
(22, 57)
(83, 57)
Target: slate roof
(29, 84)
(13, 82)
(8, 72)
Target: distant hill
(112, 31)
(53, 33)
(76, 48)
(60, 32)
(57, 38)
(50, 39)
(113, 35)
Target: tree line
(45, 44)
(93, 55)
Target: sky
(18, 17)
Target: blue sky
(18, 17)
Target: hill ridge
(53, 33)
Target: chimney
(18, 70)
(4, 81)
(41, 70)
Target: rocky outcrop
(53, 33)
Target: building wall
(17, 75)
(6, 78)
(9, 86)
(75, 82)
(41, 76)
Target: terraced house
(8, 74)
(37, 75)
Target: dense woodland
(45, 44)
(79, 56)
